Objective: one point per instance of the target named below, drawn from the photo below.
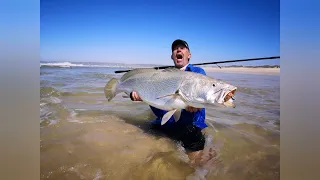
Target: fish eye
(213, 85)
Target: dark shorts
(191, 137)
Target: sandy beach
(244, 70)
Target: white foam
(73, 114)
(111, 65)
(98, 175)
(222, 121)
(53, 122)
(75, 121)
(55, 100)
(72, 118)
(212, 126)
(61, 64)
(42, 104)
(199, 174)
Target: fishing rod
(217, 62)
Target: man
(189, 128)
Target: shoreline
(244, 70)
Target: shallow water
(85, 137)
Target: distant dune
(245, 70)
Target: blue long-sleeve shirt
(186, 118)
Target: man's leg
(194, 142)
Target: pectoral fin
(177, 115)
(167, 116)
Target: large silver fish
(172, 90)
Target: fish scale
(158, 84)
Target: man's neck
(184, 67)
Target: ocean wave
(92, 65)
(94, 94)
(52, 111)
(49, 92)
(98, 76)
(61, 64)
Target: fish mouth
(228, 99)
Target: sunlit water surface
(85, 137)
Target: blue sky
(139, 32)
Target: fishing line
(216, 62)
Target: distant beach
(244, 70)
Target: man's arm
(158, 112)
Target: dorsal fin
(136, 71)
(170, 69)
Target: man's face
(180, 56)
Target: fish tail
(111, 88)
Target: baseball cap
(179, 42)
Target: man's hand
(193, 109)
(134, 96)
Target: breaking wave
(93, 65)
(49, 91)
(52, 111)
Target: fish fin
(177, 115)
(167, 116)
(171, 69)
(135, 72)
(166, 96)
(126, 96)
(111, 88)
(175, 94)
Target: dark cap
(179, 42)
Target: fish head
(221, 93)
